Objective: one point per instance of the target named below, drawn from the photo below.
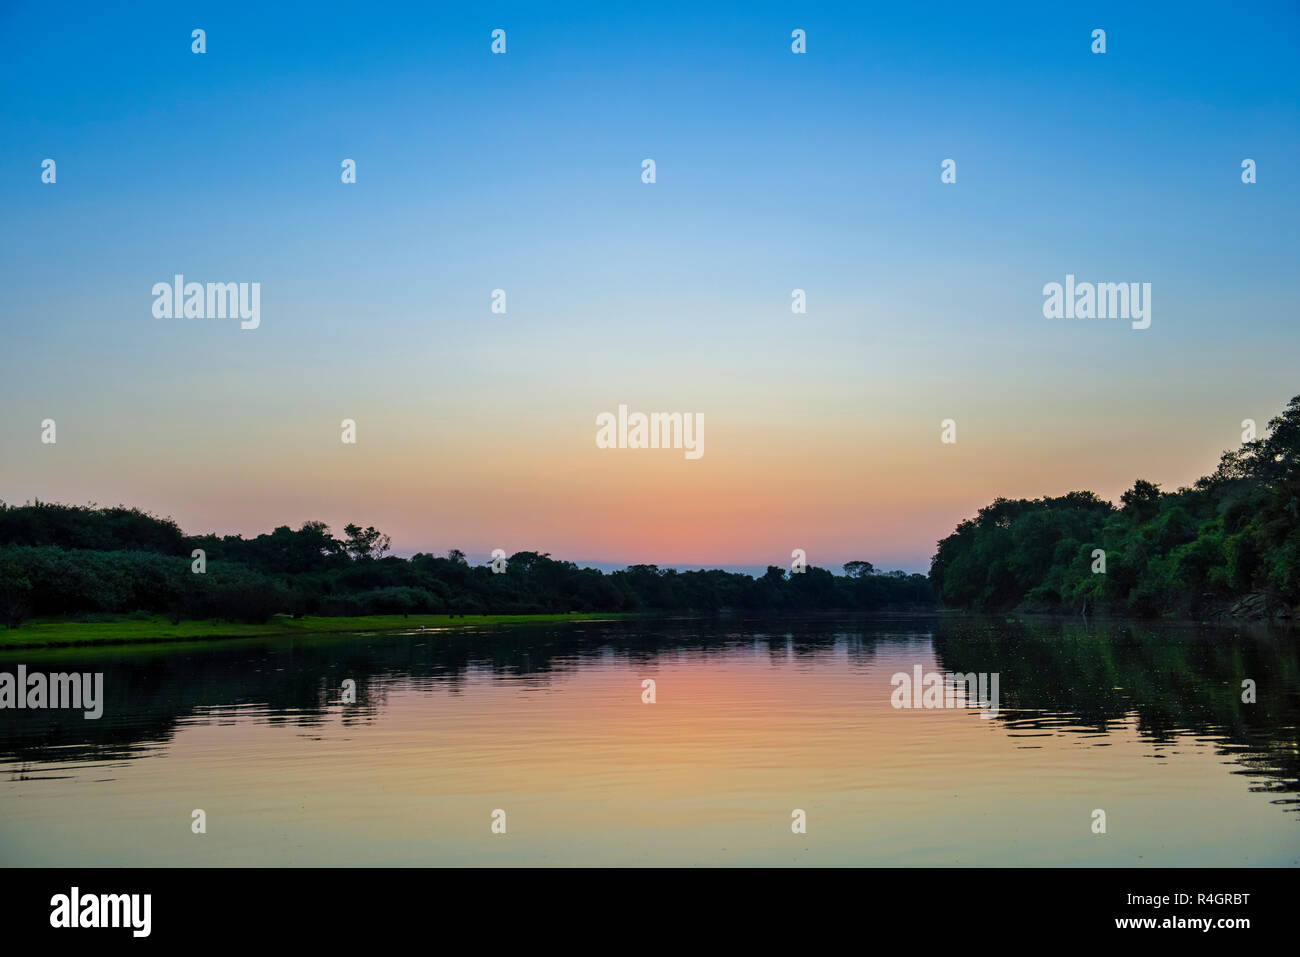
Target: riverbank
(39, 633)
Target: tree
(366, 544)
(1192, 552)
(15, 594)
(859, 569)
(1142, 500)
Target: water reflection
(1089, 681)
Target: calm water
(753, 719)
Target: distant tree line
(65, 560)
(1230, 543)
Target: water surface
(753, 719)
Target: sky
(522, 171)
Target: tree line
(1230, 543)
(63, 560)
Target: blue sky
(522, 172)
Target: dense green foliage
(66, 560)
(1193, 552)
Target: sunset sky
(522, 172)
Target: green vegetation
(144, 628)
(67, 562)
(1228, 545)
